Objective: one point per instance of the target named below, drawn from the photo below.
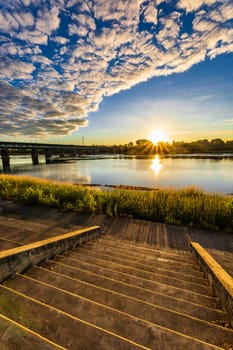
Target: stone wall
(20, 258)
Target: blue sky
(113, 71)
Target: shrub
(190, 206)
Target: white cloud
(84, 20)
(33, 37)
(203, 25)
(150, 13)
(66, 56)
(7, 22)
(170, 28)
(35, 117)
(220, 50)
(41, 59)
(227, 11)
(10, 68)
(63, 50)
(60, 39)
(24, 19)
(193, 5)
(75, 29)
(26, 2)
(48, 21)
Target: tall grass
(190, 207)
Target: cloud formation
(59, 58)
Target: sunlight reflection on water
(156, 165)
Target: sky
(108, 72)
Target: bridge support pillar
(5, 159)
(47, 157)
(35, 157)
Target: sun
(158, 136)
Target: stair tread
(161, 268)
(146, 253)
(119, 281)
(149, 260)
(86, 259)
(139, 329)
(111, 296)
(139, 281)
(114, 294)
(142, 247)
(59, 326)
(14, 336)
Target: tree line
(146, 147)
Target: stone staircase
(112, 294)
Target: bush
(190, 207)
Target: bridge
(35, 149)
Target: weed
(190, 206)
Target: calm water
(213, 174)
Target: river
(212, 173)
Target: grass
(188, 207)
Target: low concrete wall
(220, 281)
(20, 258)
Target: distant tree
(146, 147)
(142, 141)
(229, 146)
(217, 145)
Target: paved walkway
(21, 224)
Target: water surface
(213, 173)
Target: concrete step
(190, 268)
(113, 292)
(14, 336)
(58, 326)
(160, 268)
(108, 239)
(109, 294)
(141, 282)
(144, 249)
(130, 285)
(140, 323)
(152, 276)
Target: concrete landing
(46, 222)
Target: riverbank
(125, 187)
(185, 207)
(213, 175)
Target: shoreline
(139, 188)
(146, 173)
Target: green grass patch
(189, 207)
